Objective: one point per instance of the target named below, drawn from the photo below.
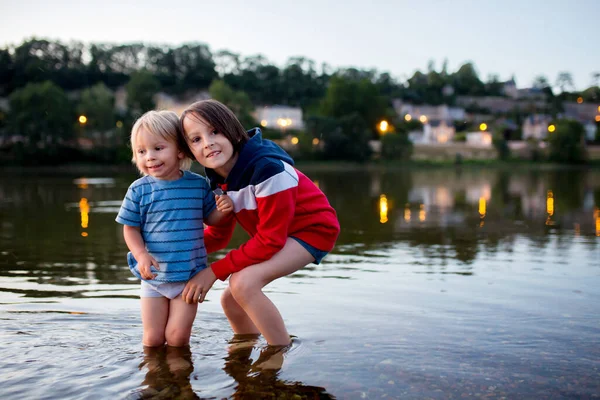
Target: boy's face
(157, 157)
(212, 149)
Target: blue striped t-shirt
(170, 215)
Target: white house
(536, 126)
(433, 113)
(165, 101)
(280, 117)
(480, 139)
(434, 132)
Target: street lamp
(383, 127)
(82, 119)
(551, 128)
(483, 127)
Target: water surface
(446, 283)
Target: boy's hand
(224, 203)
(145, 262)
(197, 287)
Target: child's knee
(153, 339)
(242, 289)
(178, 337)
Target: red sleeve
(216, 237)
(275, 214)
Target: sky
(524, 38)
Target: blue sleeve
(208, 203)
(129, 213)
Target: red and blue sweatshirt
(271, 201)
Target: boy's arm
(219, 230)
(135, 243)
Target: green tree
(345, 138)
(42, 114)
(141, 88)
(7, 71)
(396, 146)
(566, 143)
(501, 146)
(357, 97)
(564, 81)
(466, 81)
(237, 101)
(97, 104)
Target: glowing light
(383, 126)
(598, 108)
(483, 126)
(423, 119)
(597, 118)
(580, 100)
(119, 124)
(406, 212)
(551, 128)
(550, 203)
(295, 140)
(422, 213)
(597, 218)
(284, 122)
(84, 234)
(315, 141)
(263, 122)
(482, 206)
(383, 209)
(82, 119)
(84, 208)
(408, 117)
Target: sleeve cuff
(221, 268)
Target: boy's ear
(180, 155)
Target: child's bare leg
(155, 313)
(238, 319)
(179, 324)
(246, 288)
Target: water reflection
(46, 222)
(259, 379)
(168, 370)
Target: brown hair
(220, 117)
(165, 125)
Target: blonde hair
(164, 124)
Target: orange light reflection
(383, 209)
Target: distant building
(434, 132)
(433, 113)
(480, 139)
(165, 101)
(280, 117)
(509, 89)
(532, 94)
(583, 112)
(536, 126)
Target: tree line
(49, 83)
